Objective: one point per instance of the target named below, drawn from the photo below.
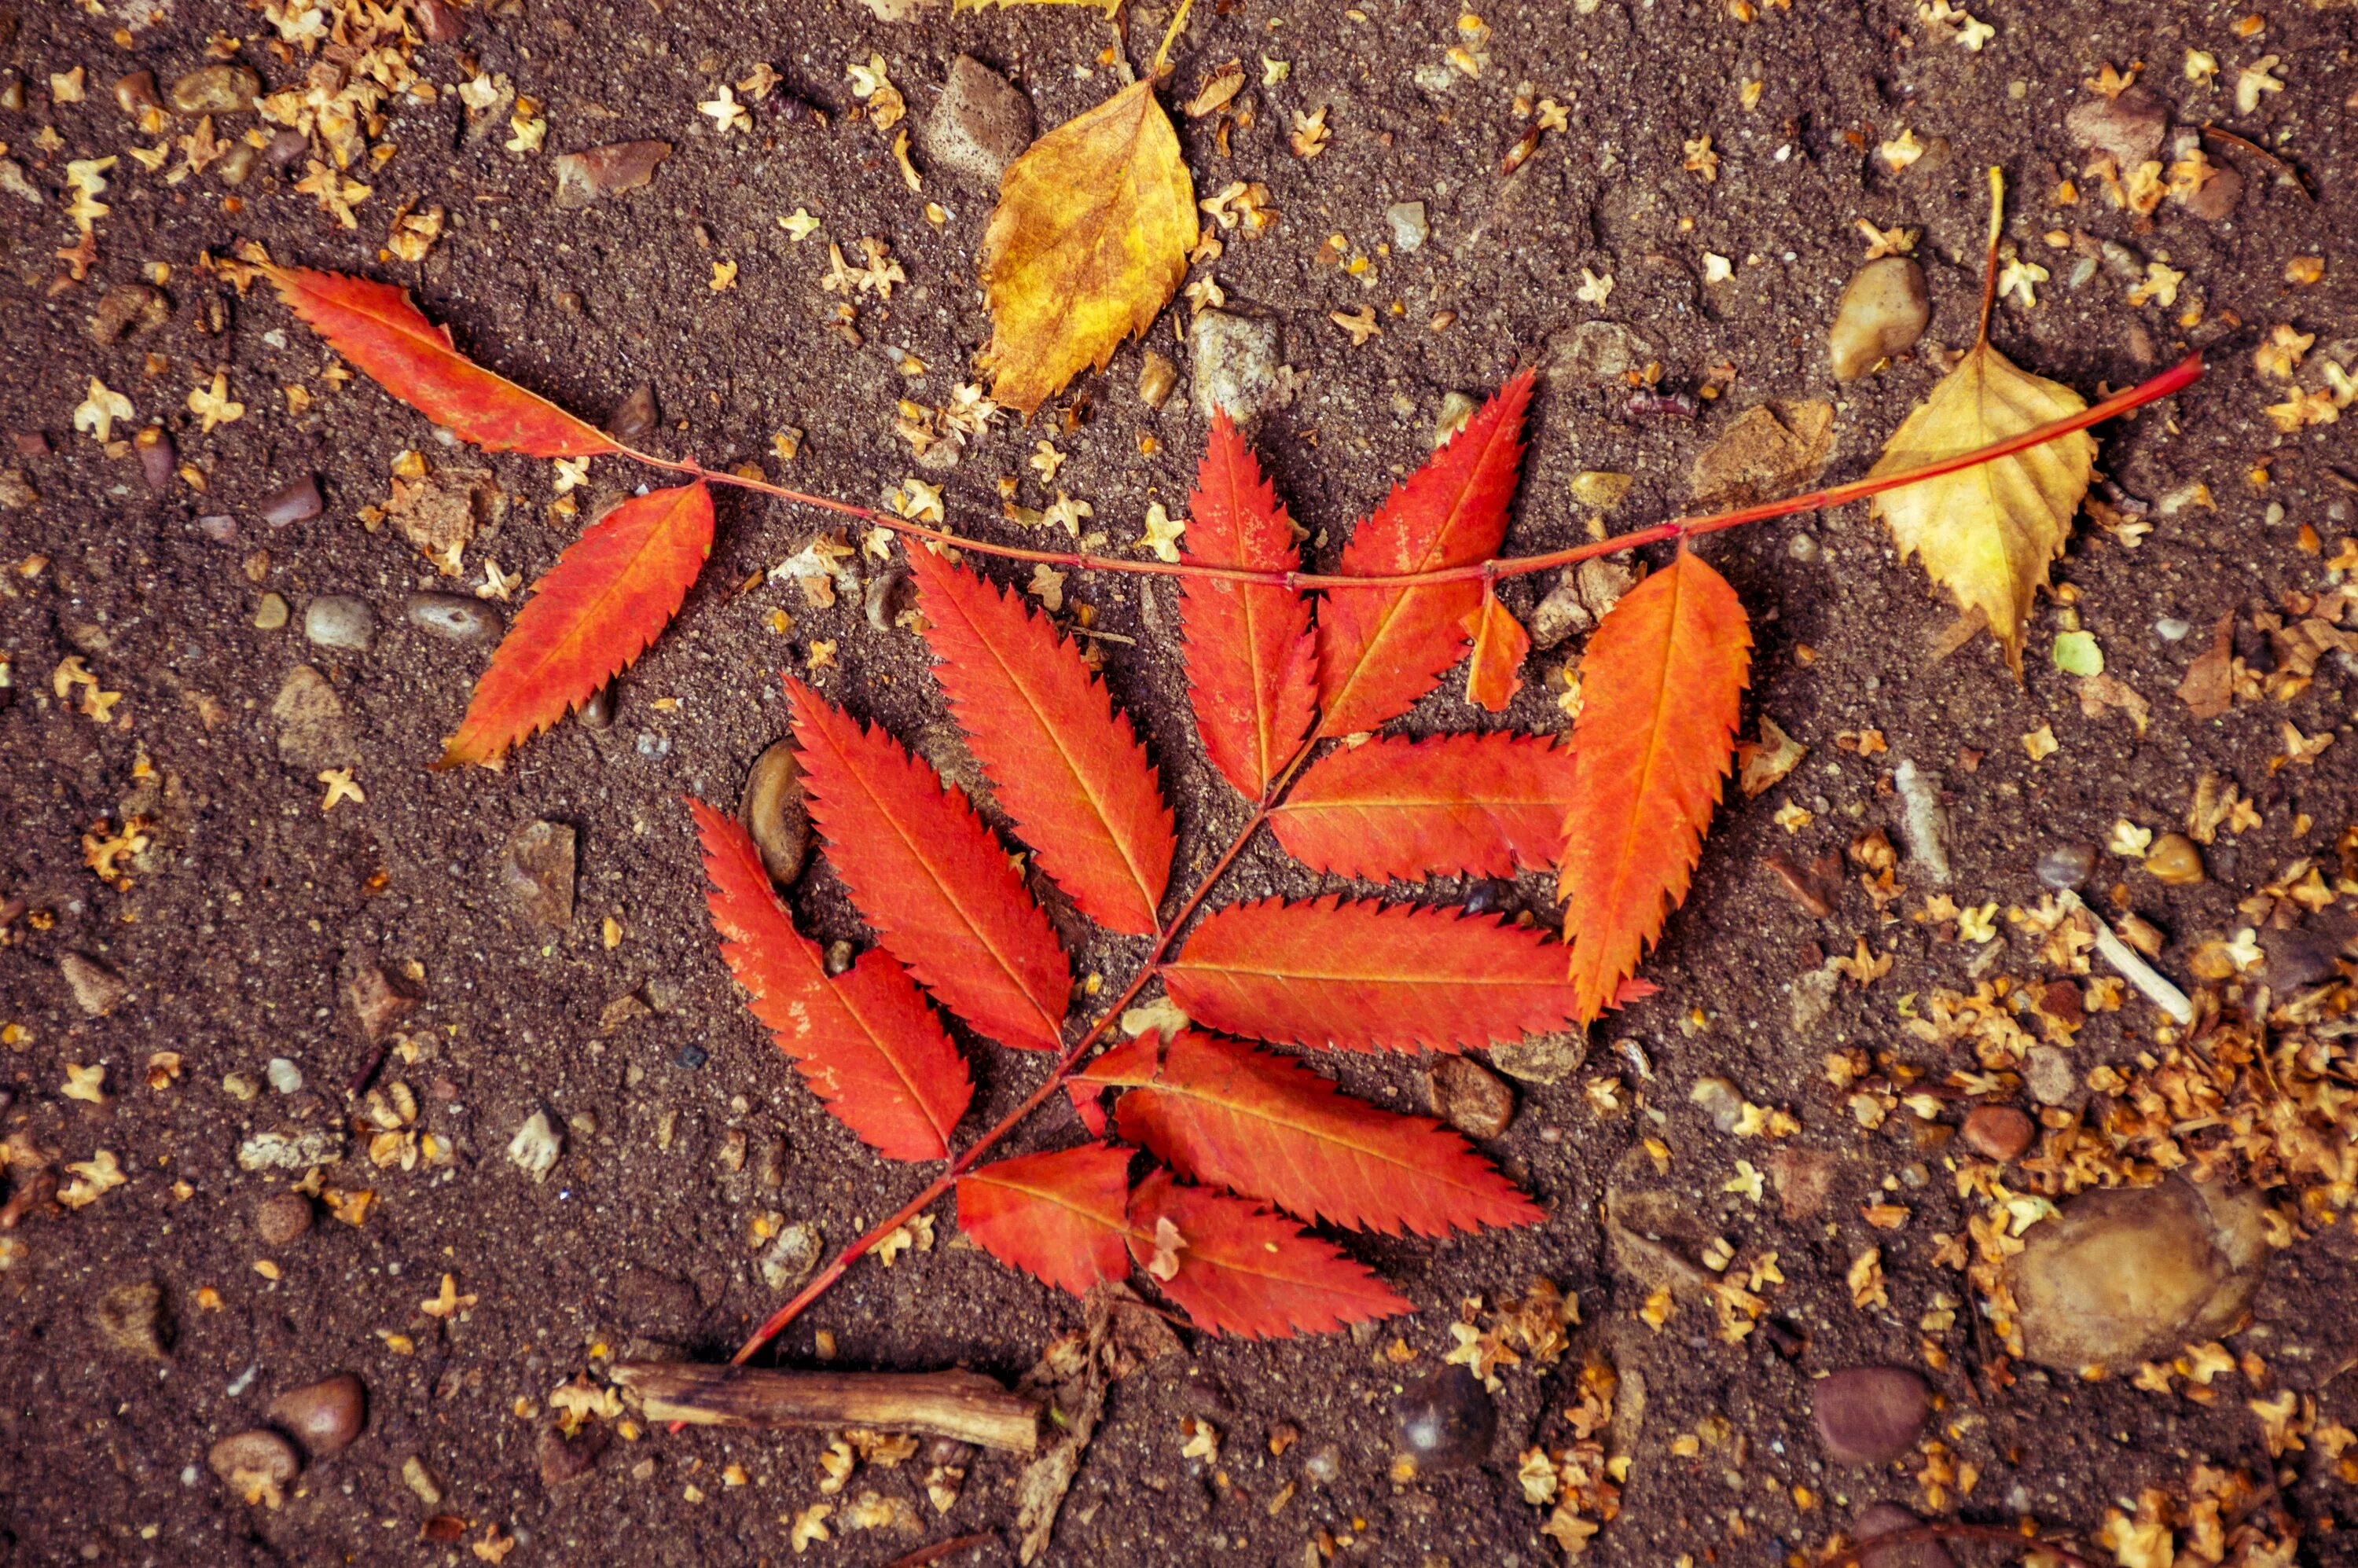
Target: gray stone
(341, 622)
(535, 1146)
(582, 177)
(97, 990)
(1597, 353)
(1234, 363)
(2066, 866)
(1883, 311)
(2047, 1073)
(314, 732)
(299, 1150)
(1541, 1058)
(789, 1260)
(2125, 1274)
(453, 617)
(214, 90)
(1720, 1100)
(538, 871)
(1408, 225)
(283, 1075)
(981, 124)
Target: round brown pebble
(282, 1218)
(324, 1416)
(1470, 1097)
(1997, 1131)
(1869, 1415)
(774, 813)
(255, 1454)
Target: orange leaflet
(1062, 1217)
(1499, 644)
(930, 877)
(1235, 1268)
(1252, 674)
(608, 596)
(1369, 977)
(1396, 810)
(864, 1041)
(1663, 678)
(1379, 649)
(375, 327)
(1067, 769)
(1274, 1129)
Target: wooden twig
(963, 1405)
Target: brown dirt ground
(236, 941)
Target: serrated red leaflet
(1088, 1106)
(1369, 977)
(1493, 675)
(1397, 810)
(1663, 679)
(609, 595)
(931, 878)
(1241, 1270)
(1271, 1129)
(864, 1041)
(1066, 768)
(1062, 1217)
(1252, 663)
(375, 327)
(1379, 649)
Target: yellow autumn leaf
(1988, 533)
(1090, 240)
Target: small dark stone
(692, 1057)
(564, 1460)
(1470, 1097)
(2219, 195)
(442, 21)
(1488, 896)
(597, 713)
(157, 459)
(1890, 1519)
(452, 617)
(1784, 1338)
(2299, 958)
(637, 418)
(130, 1318)
(221, 530)
(1444, 1421)
(285, 149)
(282, 1218)
(136, 95)
(379, 999)
(1997, 1131)
(774, 813)
(324, 1416)
(30, 443)
(539, 871)
(258, 1455)
(298, 501)
(2066, 866)
(1869, 1415)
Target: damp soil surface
(236, 934)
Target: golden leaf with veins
(1090, 240)
(1987, 533)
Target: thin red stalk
(2175, 379)
(1064, 1069)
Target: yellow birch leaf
(1090, 240)
(1987, 533)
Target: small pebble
(1997, 1132)
(1323, 1464)
(1869, 1415)
(2174, 860)
(324, 1416)
(637, 418)
(582, 177)
(1720, 1100)
(1407, 222)
(1234, 361)
(535, 1146)
(421, 1481)
(1156, 376)
(282, 1218)
(298, 501)
(597, 713)
(136, 95)
(564, 1460)
(453, 617)
(339, 620)
(771, 810)
(219, 529)
(214, 90)
(982, 123)
(2129, 127)
(130, 1318)
(271, 614)
(1444, 1421)
(1883, 311)
(2171, 629)
(2066, 866)
(2125, 1275)
(283, 1075)
(692, 1056)
(539, 872)
(2047, 1073)
(285, 149)
(789, 1260)
(263, 1455)
(1470, 1097)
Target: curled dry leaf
(1089, 242)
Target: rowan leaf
(607, 598)
(1062, 1217)
(375, 327)
(1270, 1128)
(1089, 242)
(1492, 675)
(1987, 533)
(864, 1041)
(1067, 769)
(1396, 810)
(1379, 649)
(1253, 669)
(1241, 1270)
(1663, 678)
(1369, 977)
(931, 878)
